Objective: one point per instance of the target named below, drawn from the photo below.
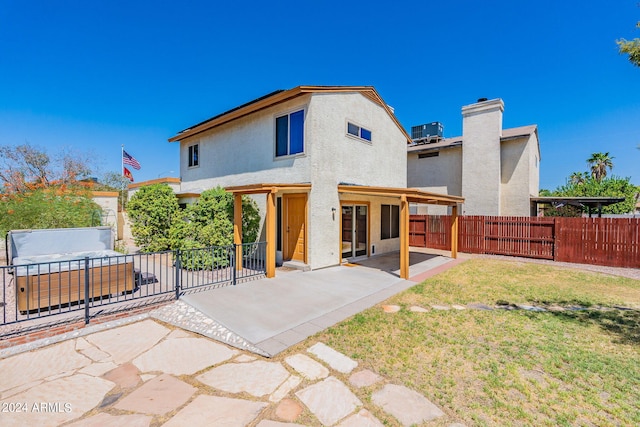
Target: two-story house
(496, 170)
(332, 162)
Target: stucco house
(496, 170)
(327, 164)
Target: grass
(509, 367)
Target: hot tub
(45, 280)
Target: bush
(209, 222)
(152, 210)
(51, 207)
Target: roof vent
(482, 99)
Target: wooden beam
(404, 238)
(454, 231)
(264, 188)
(237, 228)
(270, 221)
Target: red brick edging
(70, 327)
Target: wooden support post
(237, 228)
(270, 221)
(404, 237)
(454, 231)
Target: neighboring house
(495, 170)
(331, 161)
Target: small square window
(194, 158)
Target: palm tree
(578, 178)
(599, 163)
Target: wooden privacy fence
(613, 242)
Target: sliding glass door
(354, 230)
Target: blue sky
(93, 75)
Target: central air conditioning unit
(426, 133)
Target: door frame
(356, 203)
(285, 223)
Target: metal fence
(34, 296)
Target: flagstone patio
(146, 373)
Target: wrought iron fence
(37, 295)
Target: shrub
(152, 210)
(50, 207)
(209, 222)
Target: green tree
(51, 207)
(38, 191)
(578, 178)
(114, 181)
(209, 222)
(607, 187)
(631, 48)
(152, 210)
(599, 163)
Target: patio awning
(263, 188)
(406, 196)
(270, 216)
(413, 195)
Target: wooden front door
(295, 227)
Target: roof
(507, 134)
(579, 201)
(165, 180)
(279, 97)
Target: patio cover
(406, 196)
(588, 202)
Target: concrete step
(296, 265)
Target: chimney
(481, 132)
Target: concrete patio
(274, 314)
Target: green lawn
(508, 367)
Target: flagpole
(122, 172)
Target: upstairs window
(390, 222)
(290, 134)
(194, 157)
(358, 131)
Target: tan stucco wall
(108, 202)
(516, 185)
(243, 152)
(337, 157)
(441, 174)
(481, 131)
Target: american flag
(128, 159)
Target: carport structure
(403, 195)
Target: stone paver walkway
(145, 373)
